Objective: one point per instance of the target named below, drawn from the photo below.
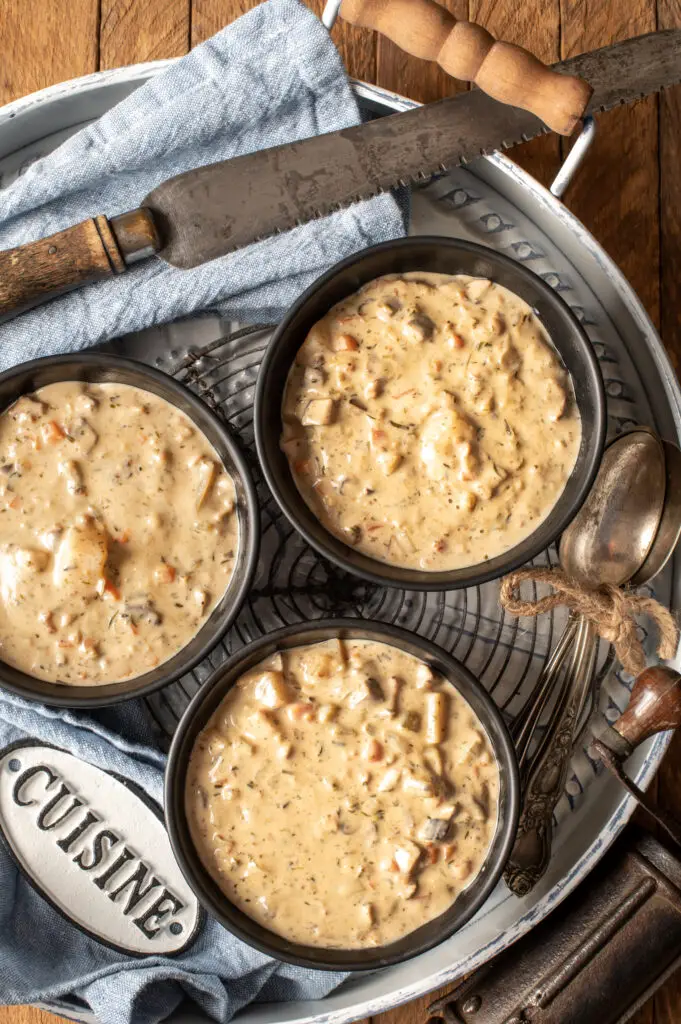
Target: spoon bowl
(613, 533)
(669, 529)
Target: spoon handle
(546, 779)
(525, 723)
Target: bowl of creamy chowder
(430, 414)
(129, 533)
(342, 795)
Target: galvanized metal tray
(496, 203)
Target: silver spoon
(608, 541)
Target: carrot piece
(345, 343)
(432, 854)
(164, 573)
(124, 537)
(52, 432)
(133, 628)
(111, 588)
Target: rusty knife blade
(210, 211)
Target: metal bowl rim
(205, 702)
(413, 579)
(62, 696)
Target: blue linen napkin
(44, 959)
(271, 77)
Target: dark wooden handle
(654, 705)
(86, 252)
(506, 72)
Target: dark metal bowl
(448, 256)
(101, 368)
(218, 904)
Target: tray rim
(492, 167)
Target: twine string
(612, 611)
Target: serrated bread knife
(208, 212)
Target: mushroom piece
(141, 609)
(82, 436)
(434, 830)
(418, 328)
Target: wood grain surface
(629, 194)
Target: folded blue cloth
(271, 77)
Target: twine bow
(611, 610)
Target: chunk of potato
(436, 717)
(27, 409)
(406, 856)
(389, 780)
(18, 566)
(388, 462)
(469, 747)
(319, 412)
(442, 434)
(80, 557)
(423, 676)
(271, 690)
(73, 476)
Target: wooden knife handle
(89, 251)
(654, 705)
(506, 72)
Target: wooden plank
(26, 1015)
(418, 79)
(616, 193)
(38, 51)
(209, 16)
(415, 1012)
(534, 24)
(669, 16)
(133, 31)
(357, 47)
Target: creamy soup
(428, 421)
(342, 794)
(118, 532)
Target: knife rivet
(471, 1005)
(51, 251)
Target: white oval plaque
(96, 848)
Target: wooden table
(628, 194)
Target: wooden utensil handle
(654, 705)
(506, 72)
(89, 251)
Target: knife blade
(213, 210)
(210, 211)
